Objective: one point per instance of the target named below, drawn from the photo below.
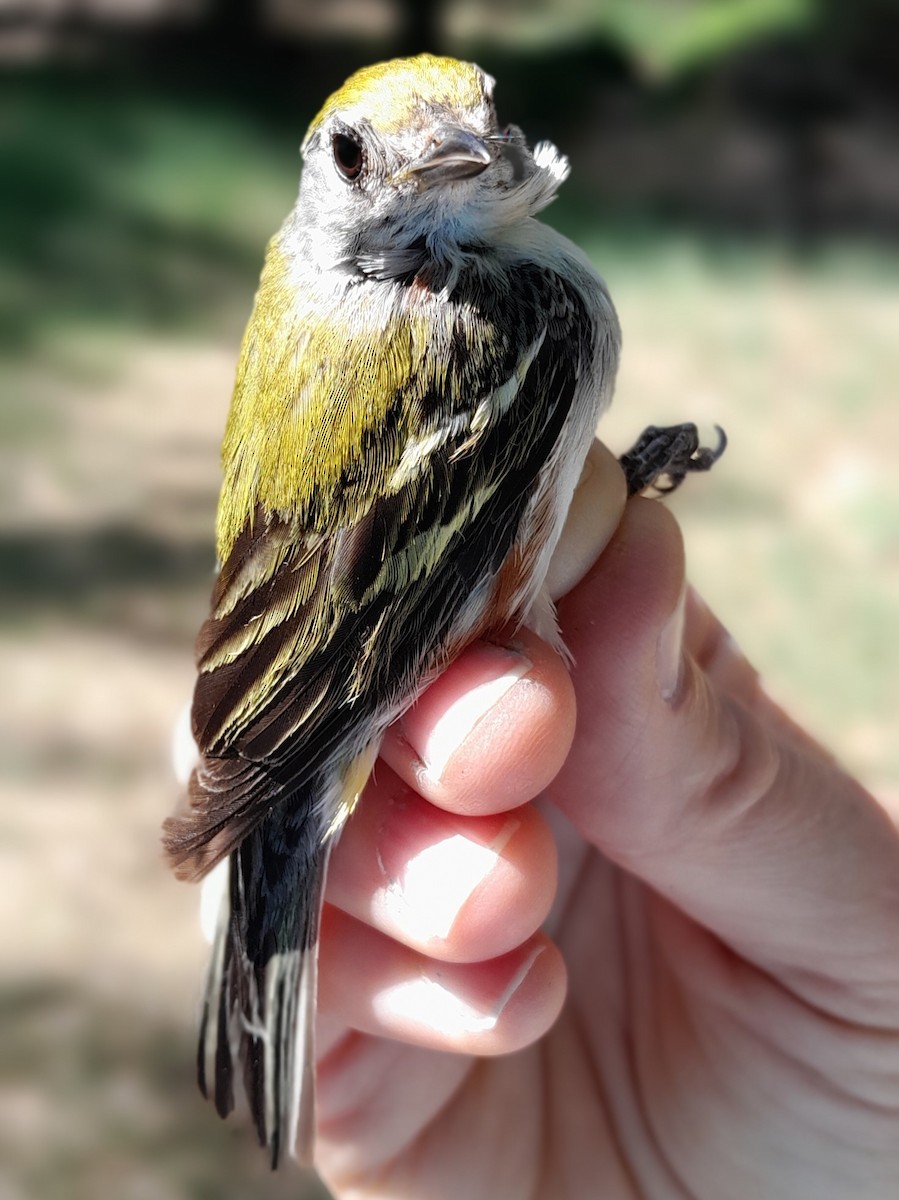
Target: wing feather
(320, 628)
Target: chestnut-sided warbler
(417, 390)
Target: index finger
(495, 728)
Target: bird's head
(408, 158)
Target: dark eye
(347, 155)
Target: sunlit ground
(132, 246)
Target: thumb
(685, 774)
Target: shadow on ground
(100, 1100)
(114, 575)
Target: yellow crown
(387, 93)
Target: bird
(417, 389)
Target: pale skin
(710, 1010)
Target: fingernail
(669, 650)
(427, 1002)
(514, 984)
(502, 668)
(432, 885)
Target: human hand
(712, 1008)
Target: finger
(377, 986)
(491, 732)
(717, 654)
(593, 517)
(695, 782)
(496, 726)
(357, 1132)
(456, 888)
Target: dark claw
(661, 458)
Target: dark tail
(259, 1008)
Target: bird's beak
(456, 154)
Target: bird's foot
(662, 457)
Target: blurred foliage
(98, 220)
(670, 38)
(661, 37)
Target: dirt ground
(108, 481)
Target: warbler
(417, 390)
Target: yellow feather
(309, 387)
(381, 91)
(304, 396)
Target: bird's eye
(348, 155)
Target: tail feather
(289, 1062)
(259, 1005)
(215, 1025)
(302, 1107)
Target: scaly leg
(661, 458)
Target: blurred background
(735, 178)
